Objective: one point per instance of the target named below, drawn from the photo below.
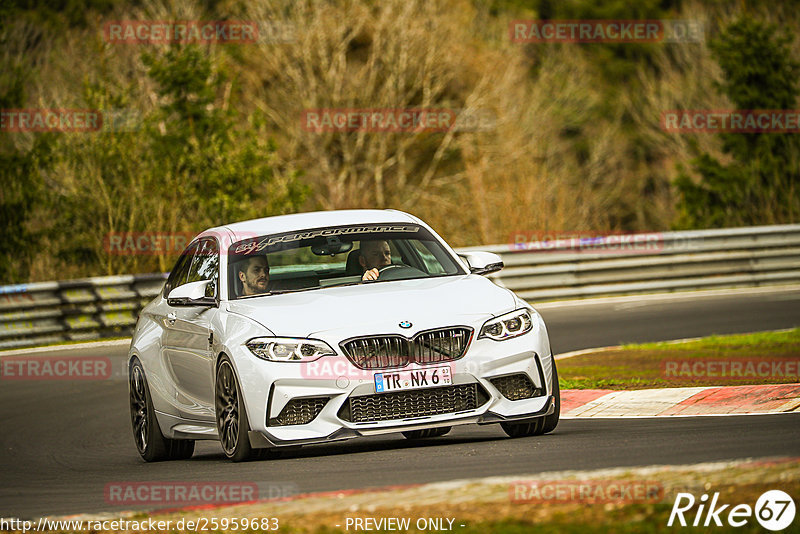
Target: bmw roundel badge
(405, 324)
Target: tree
(186, 164)
(21, 170)
(224, 172)
(760, 185)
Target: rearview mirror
(331, 247)
(482, 262)
(191, 294)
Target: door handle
(171, 317)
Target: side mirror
(191, 294)
(482, 262)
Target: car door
(186, 339)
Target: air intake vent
(299, 411)
(516, 387)
(414, 403)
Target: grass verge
(743, 359)
(493, 505)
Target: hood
(378, 307)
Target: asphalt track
(63, 442)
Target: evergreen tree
(760, 185)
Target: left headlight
(507, 326)
(286, 349)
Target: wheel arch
(243, 397)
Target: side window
(177, 277)
(205, 265)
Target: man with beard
(254, 275)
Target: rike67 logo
(774, 510)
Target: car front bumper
(270, 386)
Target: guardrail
(92, 308)
(646, 263)
(568, 267)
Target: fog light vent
(515, 387)
(299, 411)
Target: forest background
(212, 133)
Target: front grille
(440, 345)
(515, 387)
(379, 352)
(393, 351)
(414, 403)
(299, 411)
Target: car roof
(317, 219)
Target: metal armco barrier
(647, 263)
(558, 268)
(93, 308)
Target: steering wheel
(398, 272)
(388, 267)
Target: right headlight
(507, 326)
(283, 349)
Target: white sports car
(317, 327)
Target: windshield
(329, 257)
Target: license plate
(414, 379)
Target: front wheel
(232, 424)
(150, 442)
(538, 425)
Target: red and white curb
(692, 401)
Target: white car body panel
(179, 361)
(359, 308)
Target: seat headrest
(353, 267)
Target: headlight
(286, 349)
(507, 326)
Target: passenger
(254, 275)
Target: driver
(254, 275)
(374, 255)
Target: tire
(150, 442)
(427, 433)
(232, 422)
(539, 425)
